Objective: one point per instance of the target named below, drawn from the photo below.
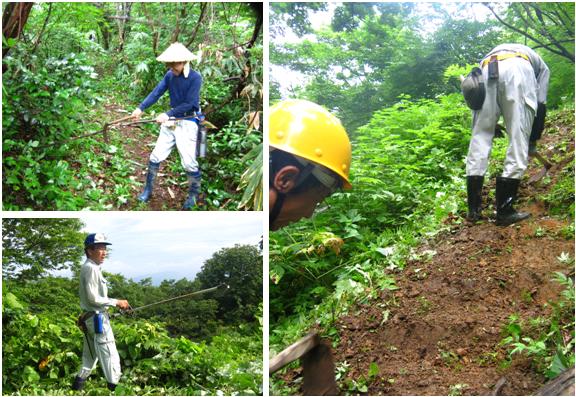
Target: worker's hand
(123, 304)
(136, 113)
(162, 118)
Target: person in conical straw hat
(183, 85)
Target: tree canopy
(31, 247)
(382, 52)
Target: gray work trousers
(183, 134)
(514, 96)
(100, 347)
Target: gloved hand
(136, 113)
(538, 125)
(162, 118)
(532, 148)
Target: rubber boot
(474, 189)
(111, 386)
(193, 190)
(152, 172)
(78, 383)
(506, 192)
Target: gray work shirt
(93, 288)
(541, 70)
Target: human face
(176, 67)
(300, 205)
(97, 253)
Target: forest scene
(209, 344)
(413, 298)
(73, 73)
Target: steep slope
(440, 332)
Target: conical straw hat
(176, 53)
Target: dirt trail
(439, 332)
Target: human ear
(285, 179)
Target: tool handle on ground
(544, 162)
(294, 352)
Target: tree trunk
(198, 24)
(13, 21)
(124, 10)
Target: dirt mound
(444, 331)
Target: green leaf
(373, 370)
(29, 375)
(10, 300)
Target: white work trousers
(100, 347)
(514, 96)
(182, 134)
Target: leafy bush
(41, 355)
(406, 170)
(40, 107)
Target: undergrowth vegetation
(75, 67)
(44, 351)
(408, 186)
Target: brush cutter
(317, 363)
(131, 310)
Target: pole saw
(131, 310)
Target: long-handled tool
(131, 310)
(103, 131)
(317, 363)
(546, 163)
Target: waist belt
(501, 57)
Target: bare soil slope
(439, 333)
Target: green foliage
(405, 175)
(33, 246)
(239, 267)
(41, 351)
(75, 63)
(548, 341)
(252, 180)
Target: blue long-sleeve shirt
(184, 93)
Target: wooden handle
(294, 352)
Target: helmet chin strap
(276, 208)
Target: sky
(169, 245)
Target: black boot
(506, 192)
(193, 190)
(152, 172)
(111, 386)
(474, 188)
(78, 383)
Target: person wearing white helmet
(99, 342)
(310, 155)
(515, 84)
(183, 85)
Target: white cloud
(170, 245)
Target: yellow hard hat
(306, 129)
